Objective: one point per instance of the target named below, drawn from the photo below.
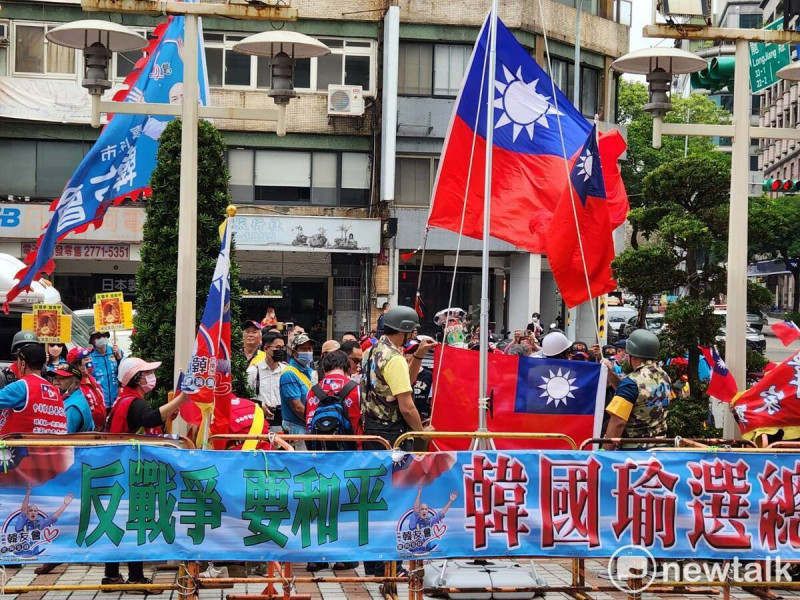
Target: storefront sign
(304, 234)
(119, 284)
(26, 222)
(86, 251)
(133, 503)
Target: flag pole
(483, 377)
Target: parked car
(617, 316)
(755, 319)
(755, 339)
(653, 322)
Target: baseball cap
(67, 370)
(131, 366)
(411, 347)
(76, 354)
(621, 344)
(255, 324)
(300, 339)
(97, 334)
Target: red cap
(77, 353)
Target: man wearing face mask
(89, 386)
(106, 362)
(79, 414)
(265, 378)
(132, 414)
(295, 383)
(31, 404)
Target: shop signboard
(27, 221)
(85, 251)
(307, 234)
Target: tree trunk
(634, 240)
(693, 283)
(796, 295)
(694, 368)
(643, 300)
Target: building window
(589, 6)
(752, 21)
(414, 179)
(432, 69)
(33, 54)
(563, 76)
(350, 63)
(316, 178)
(4, 44)
(125, 61)
(754, 162)
(38, 168)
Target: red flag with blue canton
(582, 213)
(528, 159)
(209, 370)
(773, 404)
(787, 331)
(722, 384)
(122, 159)
(539, 395)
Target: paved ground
(556, 572)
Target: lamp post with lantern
(659, 65)
(99, 39)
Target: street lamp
(98, 39)
(283, 48)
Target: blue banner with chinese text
(152, 503)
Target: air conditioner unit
(4, 40)
(345, 100)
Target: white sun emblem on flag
(586, 161)
(558, 387)
(521, 104)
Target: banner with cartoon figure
(147, 503)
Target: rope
(138, 446)
(3, 447)
(463, 215)
(566, 170)
(2, 580)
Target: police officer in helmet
(639, 407)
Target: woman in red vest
(131, 413)
(89, 386)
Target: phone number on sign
(101, 251)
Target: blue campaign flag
(120, 163)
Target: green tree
(634, 272)
(157, 274)
(642, 158)
(759, 298)
(773, 233)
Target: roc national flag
(209, 369)
(535, 395)
(722, 384)
(528, 165)
(579, 243)
(773, 403)
(786, 331)
(120, 163)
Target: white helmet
(555, 343)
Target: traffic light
(717, 75)
(781, 185)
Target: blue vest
(77, 401)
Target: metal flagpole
(483, 378)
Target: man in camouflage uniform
(639, 407)
(387, 401)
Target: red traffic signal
(787, 185)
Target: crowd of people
(374, 385)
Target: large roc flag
(535, 395)
(528, 165)
(120, 163)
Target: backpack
(331, 418)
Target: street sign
(766, 60)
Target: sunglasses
(57, 345)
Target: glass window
(329, 71)
(355, 179)
(214, 66)
(240, 166)
(55, 164)
(263, 72)
(237, 68)
(324, 169)
(589, 91)
(125, 61)
(18, 175)
(29, 49)
(750, 21)
(415, 69)
(3, 60)
(282, 176)
(302, 74)
(754, 162)
(356, 71)
(449, 65)
(413, 181)
(60, 59)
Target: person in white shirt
(264, 377)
